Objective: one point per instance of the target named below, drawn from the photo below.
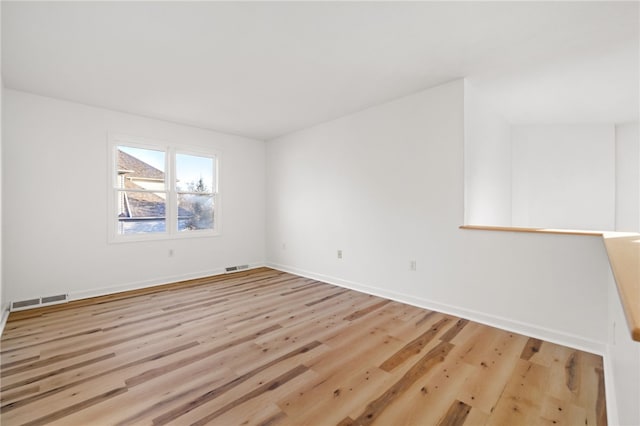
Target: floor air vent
(23, 304)
(41, 301)
(53, 299)
(236, 268)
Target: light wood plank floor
(268, 348)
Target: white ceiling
(265, 69)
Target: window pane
(139, 168)
(141, 212)
(195, 212)
(195, 174)
(141, 226)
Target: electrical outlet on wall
(412, 265)
(339, 254)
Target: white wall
(628, 177)
(55, 202)
(3, 303)
(487, 156)
(3, 300)
(624, 356)
(564, 176)
(386, 186)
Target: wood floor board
(93, 336)
(415, 346)
(76, 379)
(177, 388)
(343, 394)
(558, 412)
(279, 308)
(522, 400)
(409, 331)
(376, 408)
(465, 336)
(127, 352)
(357, 343)
(263, 390)
(427, 400)
(432, 396)
(344, 377)
(64, 400)
(456, 415)
(284, 367)
(264, 347)
(476, 418)
(259, 411)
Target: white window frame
(171, 208)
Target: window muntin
(160, 192)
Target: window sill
(137, 238)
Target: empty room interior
(320, 213)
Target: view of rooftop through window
(143, 191)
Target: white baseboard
(531, 330)
(137, 285)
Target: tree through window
(194, 188)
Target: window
(161, 191)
